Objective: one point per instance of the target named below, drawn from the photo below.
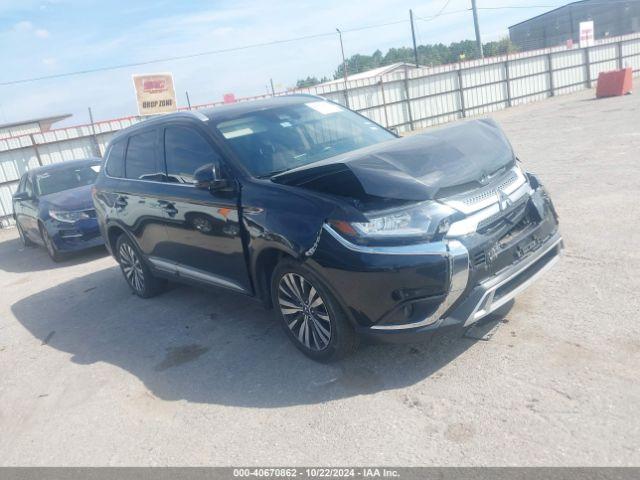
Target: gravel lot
(91, 375)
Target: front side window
(278, 139)
(65, 179)
(186, 151)
(140, 161)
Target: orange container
(614, 83)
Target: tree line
(428, 55)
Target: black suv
(345, 228)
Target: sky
(50, 37)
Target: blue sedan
(53, 207)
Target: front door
(203, 227)
(27, 212)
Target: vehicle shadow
(211, 346)
(16, 258)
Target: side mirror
(209, 177)
(20, 196)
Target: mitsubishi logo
(504, 201)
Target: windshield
(66, 179)
(274, 140)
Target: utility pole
(413, 36)
(344, 70)
(188, 99)
(273, 90)
(477, 27)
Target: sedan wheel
(131, 267)
(305, 312)
(49, 245)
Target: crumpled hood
(419, 167)
(74, 199)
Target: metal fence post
(408, 97)
(506, 76)
(35, 148)
(461, 91)
(587, 64)
(95, 145)
(620, 63)
(384, 103)
(552, 88)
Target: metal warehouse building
(610, 17)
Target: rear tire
(53, 252)
(26, 241)
(310, 314)
(136, 272)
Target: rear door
(135, 170)
(203, 227)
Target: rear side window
(115, 160)
(28, 187)
(186, 150)
(140, 161)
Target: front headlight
(419, 222)
(68, 217)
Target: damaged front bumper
(468, 290)
(462, 306)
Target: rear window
(140, 162)
(115, 160)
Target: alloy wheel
(131, 267)
(304, 311)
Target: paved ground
(91, 375)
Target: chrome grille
(491, 191)
(511, 211)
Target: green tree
(310, 81)
(428, 55)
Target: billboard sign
(155, 93)
(587, 37)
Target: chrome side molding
(195, 274)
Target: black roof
(550, 11)
(224, 112)
(52, 167)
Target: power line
(192, 55)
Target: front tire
(136, 272)
(53, 252)
(26, 241)
(310, 314)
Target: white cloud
(42, 33)
(24, 26)
(50, 61)
(27, 27)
